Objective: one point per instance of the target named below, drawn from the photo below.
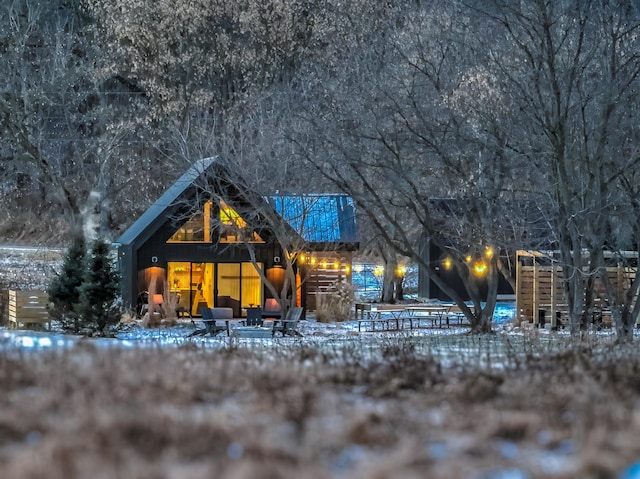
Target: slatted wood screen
(321, 278)
(28, 308)
(541, 287)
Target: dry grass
(313, 412)
(336, 304)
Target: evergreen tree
(64, 289)
(99, 291)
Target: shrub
(337, 304)
(98, 305)
(64, 289)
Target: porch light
(468, 258)
(324, 264)
(447, 263)
(488, 252)
(347, 268)
(401, 271)
(302, 258)
(378, 270)
(313, 260)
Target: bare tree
(571, 68)
(395, 130)
(64, 130)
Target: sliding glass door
(230, 285)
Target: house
(210, 240)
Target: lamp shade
(157, 299)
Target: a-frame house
(205, 238)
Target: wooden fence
(540, 289)
(28, 308)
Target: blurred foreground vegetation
(389, 408)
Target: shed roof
(318, 218)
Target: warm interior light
(229, 216)
(488, 252)
(447, 263)
(378, 270)
(480, 268)
(336, 265)
(313, 260)
(157, 299)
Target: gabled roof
(161, 210)
(317, 218)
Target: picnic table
(388, 315)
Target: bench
(362, 307)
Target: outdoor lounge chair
(254, 317)
(289, 324)
(209, 320)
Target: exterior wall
(428, 289)
(156, 253)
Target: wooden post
(536, 300)
(554, 322)
(518, 288)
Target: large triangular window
(234, 229)
(197, 229)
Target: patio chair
(254, 317)
(213, 328)
(289, 324)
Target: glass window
(196, 229)
(234, 229)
